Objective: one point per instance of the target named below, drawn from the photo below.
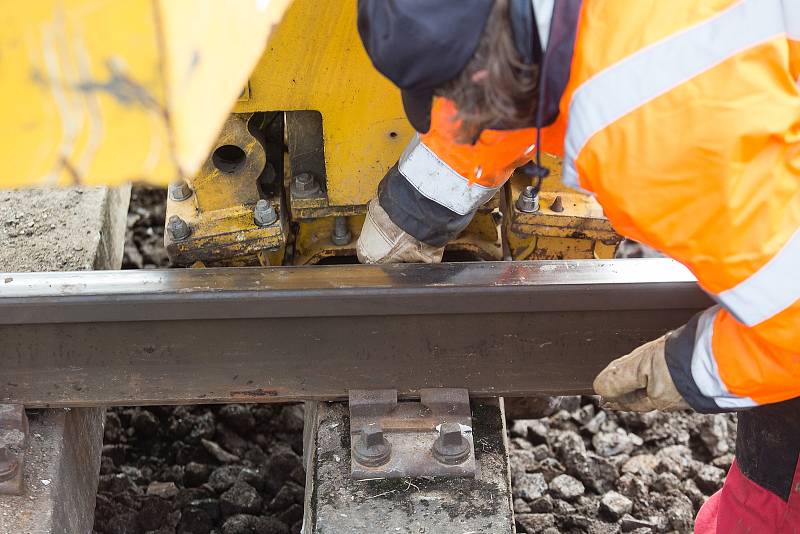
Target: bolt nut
(451, 446)
(340, 236)
(178, 229)
(304, 185)
(179, 191)
(528, 201)
(371, 447)
(264, 213)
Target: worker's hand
(382, 241)
(640, 381)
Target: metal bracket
(13, 440)
(431, 437)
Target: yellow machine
(312, 132)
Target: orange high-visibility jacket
(683, 118)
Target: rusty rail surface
(292, 333)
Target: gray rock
(593, 425)
(250, 524)
(241, 498)
(566, 487)
(542, 505)
(643, 465)
(615, 505)
(714, 434)
(631, 524)
(584, 414)
(195, 474)
(666, 482)
(709, 478)
(165, 490)
(723, 462)
(535, 523)
(224, 477)
(569, 448)
(613, 443)
(220, 454)
(118, 483)
(550, 468)
(145, 423)
(598, 473)
(534, 430)
(633, 487)
(238, 416)
(530, 486)
(690, 489)
(680, 513)
(676, 459)
(521, 507)
(522, 461)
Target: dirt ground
(236, 469)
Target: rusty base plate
(411, 429)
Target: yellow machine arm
(105, 92)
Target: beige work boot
(382, 241)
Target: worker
(683, 119)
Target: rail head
(353, 290)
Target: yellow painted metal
(108, 91)
(313, 240)
(579, 230)
(315, 61)
(220, 210)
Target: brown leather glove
(640, 381)
(382, 241)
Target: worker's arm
(434, 190)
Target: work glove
(640, 381)
(382, 241)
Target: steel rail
(292, 333)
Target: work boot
(382, 241)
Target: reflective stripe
(657, 68)
(543, 11)
(791, 12)
(434, 179)
(704, 366)
(768, 291)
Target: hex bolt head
(264, 213)
(340, 235)
(371, 447)
(178, 229)
(451, 446)
(179, 191)
(304, 185)
(528, 201)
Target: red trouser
(762, 491)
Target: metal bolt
(557, 206)
(178, 229)
(371, 447)
(451, 447)
(528, 201)
(264, 214)
(179, 191)
(341, 235)
(304, 185)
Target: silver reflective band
(704, 367)
(768, 291)
(661, 66)
(435, 180)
